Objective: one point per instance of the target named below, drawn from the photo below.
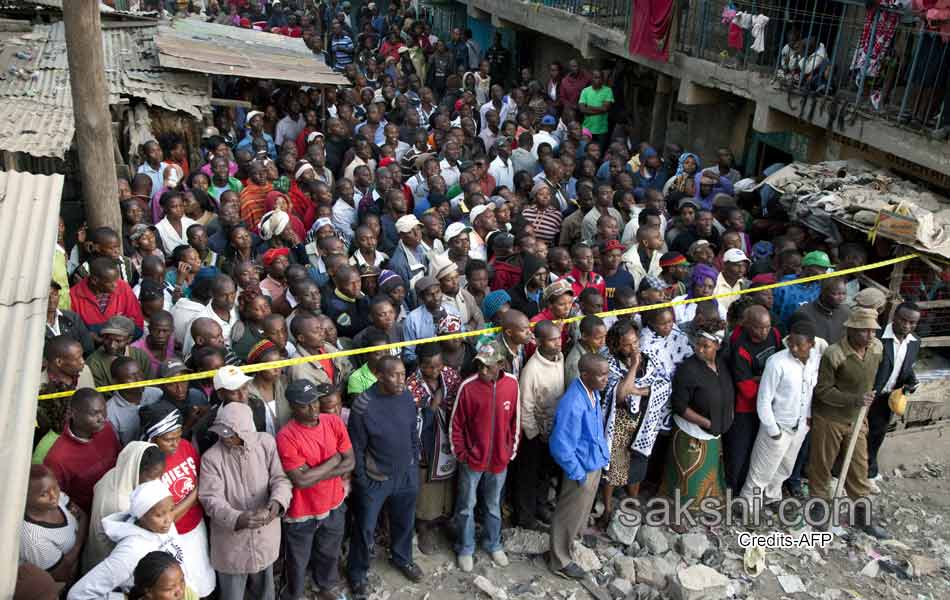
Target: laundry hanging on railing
(739, 22)
(650, 29)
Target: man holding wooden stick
(839, 410)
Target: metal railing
(614, 14)
(819, 53)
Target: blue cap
(548, 120)
(493, 302)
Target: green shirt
(596, 99)
(361, 380)
(42, 449)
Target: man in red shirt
(87, 448)
(569, 92)
(315, 451)
(484, 434)
(102, 295)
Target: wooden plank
(868, 282)
(229, 102)
(938, 341)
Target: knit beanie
(493, 301)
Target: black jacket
(71, 325)
(906, 376)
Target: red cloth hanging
(736, 38)
(650, 29)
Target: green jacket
(843, 379)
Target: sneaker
(500, 558)
(873, 487)
(795, 490)
(571, 571)
(410, 571)
(466, 563)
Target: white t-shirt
(44, 545)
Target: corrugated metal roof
(193, 45)
(29, 212)
(34, 75)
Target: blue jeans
(401, 490)
(491, 486)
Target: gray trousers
(259, 586)
(571, 514)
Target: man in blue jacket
(578, 445)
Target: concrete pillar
(661, 110)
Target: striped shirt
(546, 223)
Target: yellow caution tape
(279, 364)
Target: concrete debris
(699, 582)
(626, 567)
(923, 566)
(620, 587)
(622, 529)
(872, 569)
(791, 584)
(653, 539)
(654, 571)
(494, 592)
(525, 541)
(585, 557)
(692, 546)
(642, 591)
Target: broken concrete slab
(625, 567)
(585, 557)
(622, 529)
(698, 582)
(494, 592)
(525, 541)
(653, 539)
(692, 546)
(654, 571)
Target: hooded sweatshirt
(110, 496)
(519, 296)
(234, 480)
(485, 423)
(131, 544)
(542, 385)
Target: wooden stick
(855, 430)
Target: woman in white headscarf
(147, 526)
(137, 463)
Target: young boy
(366, 252)
(105, 242)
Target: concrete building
(710, 93)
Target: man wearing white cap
(255, 129)
(483, 222)
(447, 274)
(735, 264)
(457, 244)
(409, 259)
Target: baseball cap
(477, 212)
(613, 245)
(734, 255)
(172, 367)
(118, 325)
(222, 430)
(688, 202)
(230, 378)
(407, 223)
(488, 355)
(557, 288)
(548, 120)
(305, 392)
(454, 230)
(816, 258)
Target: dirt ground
(914, 507)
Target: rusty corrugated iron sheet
(193, 45)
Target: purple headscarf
(701, 271)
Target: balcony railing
(819, 55)
(815, 51)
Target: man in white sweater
(784, 408)
(542, 384)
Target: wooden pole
(852, 442)
(87, 76)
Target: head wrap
(258, 350)
(680, 167)
(271, 255)
(716, 337)
(764, 279)
(273, 224)
(147, 495)
(701, 272)
(303, 169)
(449, 324)
(321, 222)
(158, 418)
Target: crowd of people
(437, 197)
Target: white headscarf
(147, 495)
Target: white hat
(273, 223)
(253, 114)
(147, 495)
(407, 223)
(476, 212)
(454, 230)
(440, 265)
(744, 185)
(230, 378)
(735, 255)
(314, 135)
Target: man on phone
(845, 381)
